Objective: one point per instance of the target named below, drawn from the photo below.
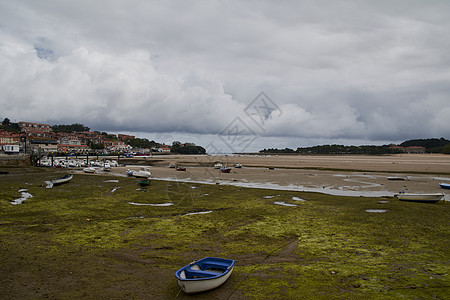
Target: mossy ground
(84, 239)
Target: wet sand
(325, 174)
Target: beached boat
(64, 179)
(427, 198)
(181, 169)
(444, 185)
(172, 166)
(218, 166)
(107, 167)
(144, 182)
(225, 169)
(238, 166)
(129, 172)
(143, 172)
(89, 170)
(204, 274)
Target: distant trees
(9, 126)
(431, 145)
(141, 143)
(70, 128)
(187, 148)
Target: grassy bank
(90, 239)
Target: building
(9, 142)
(36, 129)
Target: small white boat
(89, 170)
(61, 180)
(204, 274)
(218, 166)
(238, 166)
(143, 172)
(106, 167)
(427, 198)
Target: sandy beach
(336, 175)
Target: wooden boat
(426, 198)
(181, 169)
(204, 274)
(143, 172)
(225, 169)
(444, 185)
(129, 172)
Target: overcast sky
(237, 74)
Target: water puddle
(284, 203)
(376, 210)
(151, 204)
(25, 195)
(298, 199)
(198, 213)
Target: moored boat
(181, 169)
(225, 169)
(205, 274)
(238, 166)
(60, 180)
(444, 185)
(89, 170)
(426, 198)
(144, 182)
(143, 172)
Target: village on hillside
(40, 138)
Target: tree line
(432, 145)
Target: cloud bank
(337, 70)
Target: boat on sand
(205, 274)
(426, 198)
(225, 169)
(143, 172)
(444, 185)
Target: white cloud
(374, 71)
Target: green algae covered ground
(104, 237)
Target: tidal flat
(105, 237)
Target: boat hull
(205, 274)
(427, 198)
(62, 179)
(445, 185)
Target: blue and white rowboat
(444, 185)
(204, 274)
